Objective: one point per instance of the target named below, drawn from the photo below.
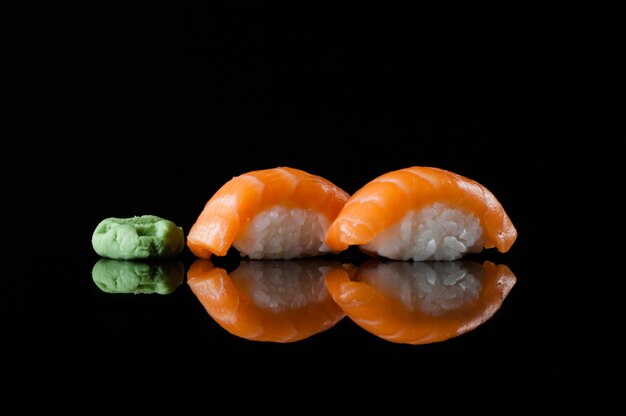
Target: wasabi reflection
(137, 276)
(265, 300)
(421, 302)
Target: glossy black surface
(148, 110)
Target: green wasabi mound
(139, 237)
(138, 276)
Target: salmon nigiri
(421, 302)
(422, 213)
(271, 300)
(278, 213)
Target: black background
(149, 109)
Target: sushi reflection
(421, 302)
(277, 301)
(138, 276)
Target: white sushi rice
(283, 233)
(282, 285)
(436, 232)
(432, 287)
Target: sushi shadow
(421, 302)
(281, 301)
(402, 302)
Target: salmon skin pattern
(277, 213)
(422, 213)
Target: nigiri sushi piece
(272, 300)
(277, 213)
(421, 302)
(422, 213)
